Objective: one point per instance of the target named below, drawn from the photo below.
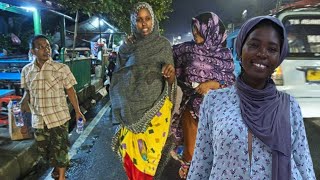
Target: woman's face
(260, 54)
(197, 36)
(144, 22)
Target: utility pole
(279, 2)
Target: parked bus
(299, 74)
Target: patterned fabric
(144, 150)
(48, 102)
(138, 88)
(260, 111)
(53, 146)
(196, 63)
(222, 143)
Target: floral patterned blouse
(221, 150)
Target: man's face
(42, 49)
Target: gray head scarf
(138, 89)
(133, 16)
(266, 112)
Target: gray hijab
(266, 112)
(138, 89)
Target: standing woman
(251, 130)
(141, 90)
(201, 65)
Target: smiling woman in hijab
(141, 89)
(201, 65)
(251, 130)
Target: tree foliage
(116, 11)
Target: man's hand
(168, 73)
(24, 102)
(80, 115)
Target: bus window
(303, 35)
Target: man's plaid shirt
(47, 86)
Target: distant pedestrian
(201, 65)
(140, 93)
(110, 69)
(45, 83)
(251, 130)
(55, 52)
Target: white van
(299, 74)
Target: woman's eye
(273, 50)
(252, 45)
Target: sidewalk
(17, 158)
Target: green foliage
(5, 40)
(117, 39)
(117, 12)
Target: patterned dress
(221, 150)
(198, 63)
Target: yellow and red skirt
(141, 152)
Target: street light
(244, 14)
(175, 40)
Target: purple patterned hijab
(203, 62)
(266, 112)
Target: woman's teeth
(259, 65)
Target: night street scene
(159, 89)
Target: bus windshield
(303, 35)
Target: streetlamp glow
(29, 9)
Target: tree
(117, 11)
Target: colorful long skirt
(141, 152)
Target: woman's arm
(205, 87)
(203, 154)
(300, 148)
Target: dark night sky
(183, 10)
(228, 10)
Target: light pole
(278, 5)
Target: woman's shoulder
(164, 41)
(293, 103)
(183, 45)
(294, 106)
(226, 90)
(221, 95)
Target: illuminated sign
(304, 21)
(313, 38)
